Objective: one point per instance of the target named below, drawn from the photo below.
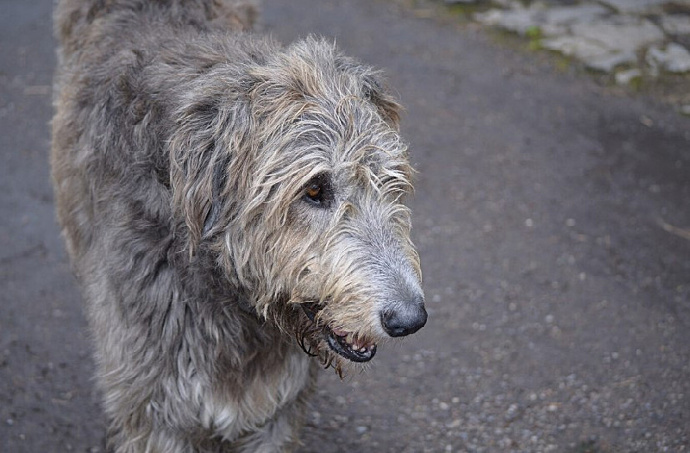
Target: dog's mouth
(344, 343)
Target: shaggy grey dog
(228, 204)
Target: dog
(231, 207)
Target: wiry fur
(181, 149)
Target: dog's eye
(314, 192)
(318, 191)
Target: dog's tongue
(339, 332)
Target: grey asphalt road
(552, 218)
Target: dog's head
(294, 174)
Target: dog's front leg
(279, 434)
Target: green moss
(465, 11)
(534, 32)
(636, 83)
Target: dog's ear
(373, 88)
(212, 125)
(219, 180)
(389, 108)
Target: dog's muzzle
(342, 342)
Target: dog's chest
(256, 402)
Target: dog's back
(73, 19)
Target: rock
(552, 30)
(454, 424)
(512, 413)
(575, 46)
(603, 34)
(621, 34)
(627, 77)
(634, 6)
(552, 21)
(608, 62)
(676, 24)
(518, 20)
(568, 15)
(604, 45)
(594, 54)
(675, 58)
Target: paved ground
(549, 216)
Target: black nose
(404, 319)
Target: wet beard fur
(292, 320)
